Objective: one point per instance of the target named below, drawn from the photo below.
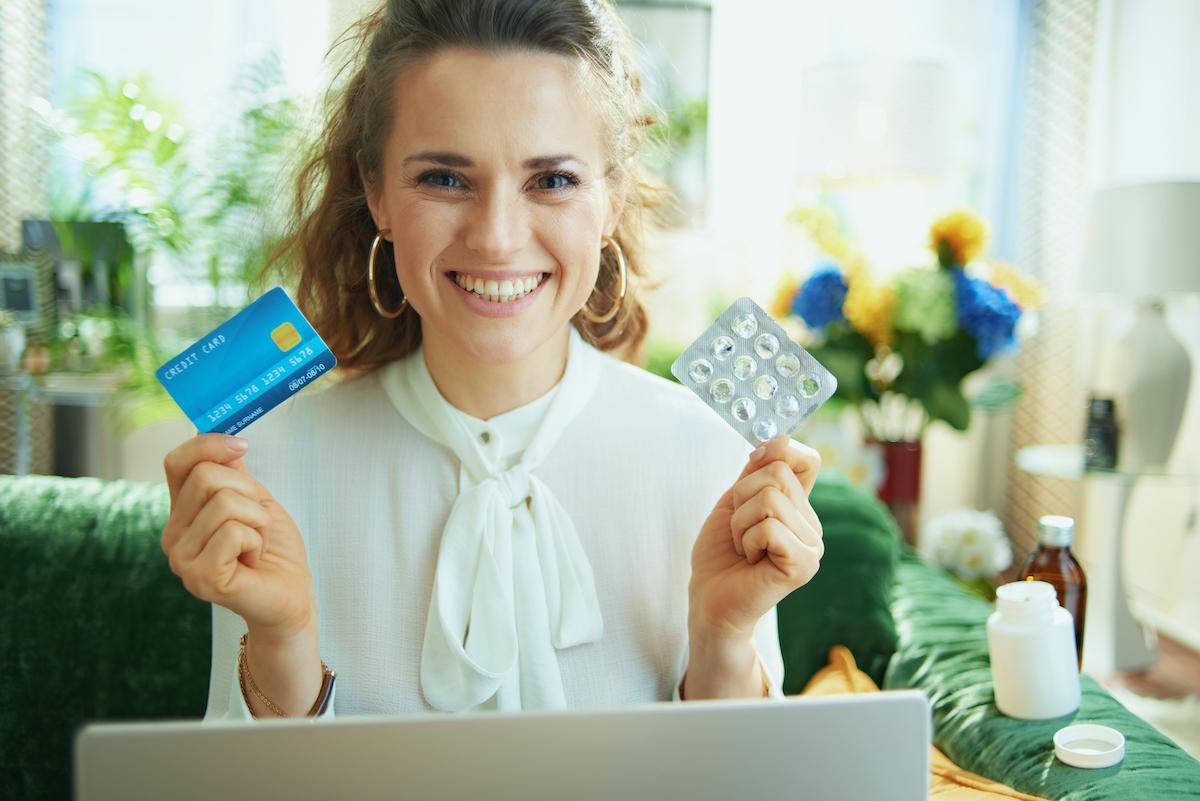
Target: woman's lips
(493, 308)
(503, 286)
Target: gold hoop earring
(371, 280)
(622, 279)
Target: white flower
(968, 543)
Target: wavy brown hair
(324, 255)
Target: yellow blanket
(947, 782)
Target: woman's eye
(431, 178)
(568, 180)
(560, 181)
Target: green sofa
(94, 626)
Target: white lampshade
(1143, 240)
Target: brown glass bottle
(1054, 564)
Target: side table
(1114, 639)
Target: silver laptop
(819, 749)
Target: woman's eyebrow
(546, 162)
(456, 160)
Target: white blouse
(638, 469)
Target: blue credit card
(247, 365)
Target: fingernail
(758, 453)
(237, 444)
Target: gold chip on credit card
(286, 336)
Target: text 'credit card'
(246, 366)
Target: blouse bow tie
(512, 582)
(514, 485)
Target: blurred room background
(1049, 149)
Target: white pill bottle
(1032, 644)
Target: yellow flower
(869, 305)
(1024, 290)
(781, 306)
(822, 227)
(957, 238)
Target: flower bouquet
(900, 349)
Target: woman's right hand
(231, 542)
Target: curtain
(24, 74)
(1058, 39)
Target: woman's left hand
(761, 542)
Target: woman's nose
(498, 225)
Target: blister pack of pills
(751, 373)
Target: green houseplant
(126, 158)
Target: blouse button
(485, 437)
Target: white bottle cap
(1056, 530)
(1089, 745)
(1027, 601)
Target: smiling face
(493, 187)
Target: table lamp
(1143, 242)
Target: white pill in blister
(744, 325)
(765, 386)
(787, 365)
(764, 429)
(787, 407)
(721, 390)
(700, 370)
(766, 345)
(744, 367)
(722, 348)
(743, 409)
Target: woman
(492, 512)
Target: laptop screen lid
(819, 749)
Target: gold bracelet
(245, 678)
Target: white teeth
(504, 291)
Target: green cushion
(94, 625)
(847, 602)
(942, 650)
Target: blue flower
(985, 313)
(819, 301)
